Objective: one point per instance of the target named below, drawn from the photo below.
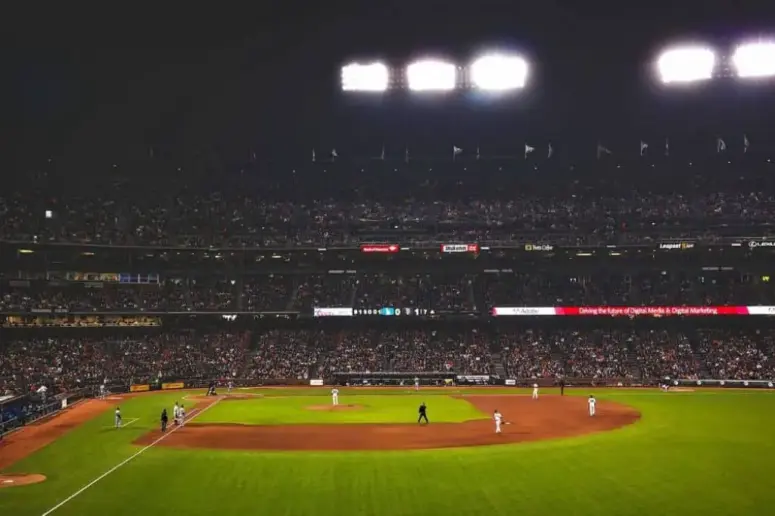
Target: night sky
(90, 88)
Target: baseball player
(164, 420)
(117, 417)
(498, 418)
(176, 413)
(591, 402)
(103, 390)
(182, 415)
(335, 396)
(416, 383)
(229, 387)
(535, 391)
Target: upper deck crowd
(582, 210)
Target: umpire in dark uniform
(562, 386)
(423, 413)
(164, 420)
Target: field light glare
(373, 77)
(499, 73)
(430, 75)
(754, 60)
(686, 64)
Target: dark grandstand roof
(215, 86)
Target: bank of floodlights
(431, 75)
(686, 64)
(498, 72)
(751, 60)
(365, 77)
(492, 72)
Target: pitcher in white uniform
(591, 402)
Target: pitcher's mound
(11, 480)
(334, 408)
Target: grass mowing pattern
(704, 453)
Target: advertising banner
(139, 388)
(633, 311)
(460, 248)
(380, 248)
(174, 385)
(316, 383)
(332, 312)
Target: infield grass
(707, 453)
(313, 409)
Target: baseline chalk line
(126, 461)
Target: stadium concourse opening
(551, 417)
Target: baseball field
(290, 452)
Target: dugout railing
(18, 411)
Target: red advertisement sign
(380, 248)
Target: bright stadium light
(754, 60)
(499, 72)
(686, 64)
(429, 75)
(369, 77)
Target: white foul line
(124, 425)
(125, 461)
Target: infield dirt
(18, 480)
(550, 417)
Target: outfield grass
(370, 409)
(706, 453)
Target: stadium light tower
(686, 64)
(431, 75)
(752, 60)
(497, 72)
(374, 77)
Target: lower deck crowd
(64, 363)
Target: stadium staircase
(699, 356)
(353, 293)
(700, 360)
(240, 294)
(470, 293)
(478, 293)
(556, 353)
(500, 368)
(632, 364)
(187, 294)
(289, 304)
